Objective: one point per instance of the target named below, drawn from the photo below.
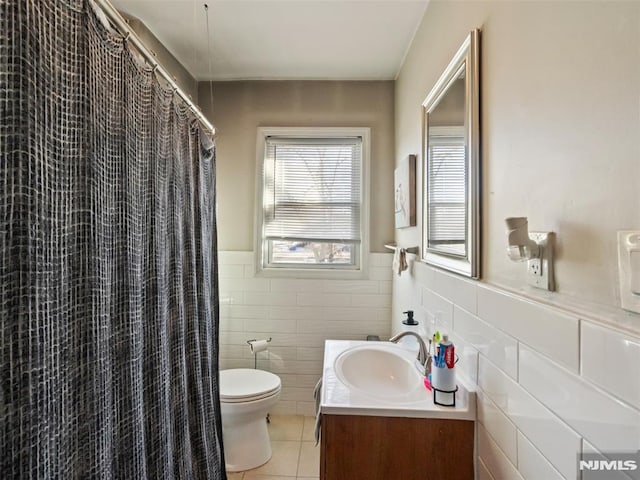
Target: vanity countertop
(339, 399)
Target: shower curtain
(108, 268)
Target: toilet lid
(246, 383)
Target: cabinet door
(388, 448)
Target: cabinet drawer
(387, 448)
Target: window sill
(306, 273)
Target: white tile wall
(550, 384)
(482, 473)
(299, 315)
(545, 329)
(614, 349)
(498, 347)
(498, 426)
(532, 464)
(440, 308)
(463, 294)
(494, 458)
(604, 421)
(552, 436)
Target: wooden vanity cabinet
(357, 447)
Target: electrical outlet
(535, 267)
(540, 270)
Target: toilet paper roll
(258, 346)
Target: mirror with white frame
(451, 165)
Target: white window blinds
(312, 189)
(447, 193)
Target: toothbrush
(440, 357)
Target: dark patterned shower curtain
(108, 269)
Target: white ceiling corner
(284, 39)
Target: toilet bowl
(246, 396)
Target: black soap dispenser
(409, 320)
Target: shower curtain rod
(124, 28)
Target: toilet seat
(240, 385)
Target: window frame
(344, 271)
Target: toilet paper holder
(256, 351)
(255, 340)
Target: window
(447, 190)
(312, 213)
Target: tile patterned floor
(295, 456)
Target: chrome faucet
(424, 359)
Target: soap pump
(409, 320)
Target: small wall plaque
(405, 192)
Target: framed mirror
(451, 165)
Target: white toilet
(246, 395)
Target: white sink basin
(382, 370)
(379, 379)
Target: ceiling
(284, 39)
